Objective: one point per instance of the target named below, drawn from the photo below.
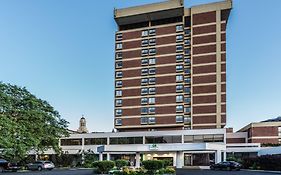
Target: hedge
(266, 162)
(103, 166)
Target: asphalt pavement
(212, 172)
(54, 172)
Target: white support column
(218, 156)
(137, 159)
(107, 156)
(175, 159)
(180, 159)
(100, 157)
(224, 155)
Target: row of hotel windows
(152, 110)
(151, 100)
(152, 51)
(208, 138)
(152, 90)
(152, 42)
(152, 71)
(152, 61)
(152, 32)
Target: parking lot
(54, 172)
(179, 172)
(211, 172)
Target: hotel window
(179, 98)
(187, 80)
(144, 33)
(179, 119)
(179, 78)
(187, 90)
(187, 71)
(119, 74)
(144, 110)
(144, 52)
(151, 80)
(179, 28)
(144, 120)
(125, 140)
(69, 142)
(119, 36)
(179, 108)
(151, 120)
(152, 42)
(144, 42)
(144, 81)
(179, 48)
(151, 100)
(179, 88)
(187, 32)
(152, 32)
(187, 110)
(187, 100)
(152, 51)
(151, 90)
(179, 38)
(144, 71)
(187, 119)
(118, 84)
(144, 62)
(118, 102)
(152, 61)
(179, 68)
(152, 71)
(179, 58)
(118, 93)
(118, 55)
(187, 51)
(118, 112)
(151, 110)
(119, 46)
(187, 61)
(187, 42)
(119, 64)
(118, 122)
(144, 100)
(144, 91)
(95, 141)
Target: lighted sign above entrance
(153, 147)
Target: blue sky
(63, 52)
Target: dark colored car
(41, 165)
(7, 166)
(227, 165)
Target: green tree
(27, 123)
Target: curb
(264, 171)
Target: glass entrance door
(188, 160)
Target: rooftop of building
(161, 10)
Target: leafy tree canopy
(27, 123)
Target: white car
(41, 165)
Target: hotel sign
(153, 147)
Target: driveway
(211, 172)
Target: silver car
(41, 165)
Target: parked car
(40, 165)
(227, 165)
(8, 166)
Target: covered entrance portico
(181, 154)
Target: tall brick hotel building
(170, 91)
(170, 66)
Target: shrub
(266, 162)
(152, 165)
(121, 163)
(167, 163)
(169, 171)
(103, 166)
